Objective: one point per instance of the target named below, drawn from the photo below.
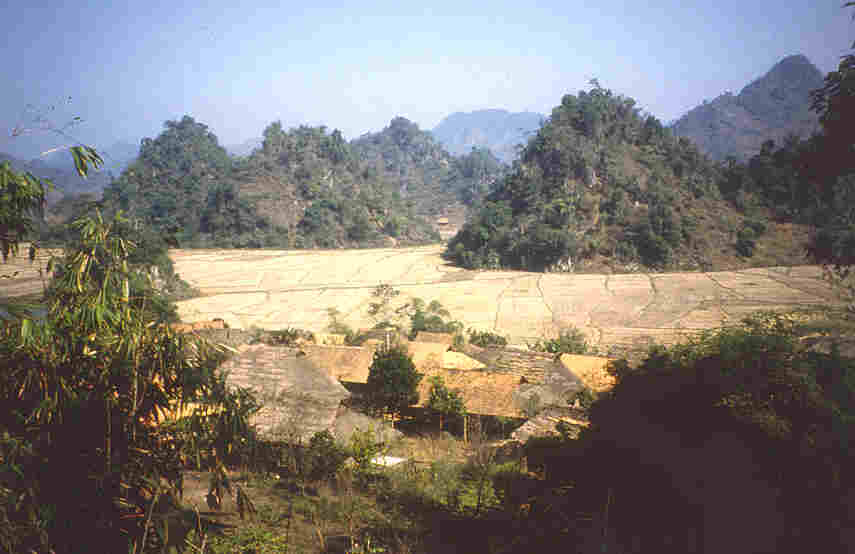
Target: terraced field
(278, 289)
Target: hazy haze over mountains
(770, 107)
(354, 67)
(499, 130)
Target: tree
(832, 167)
(444, 402)
(381, 309)
(81, 389)
(835, 104)
(393, 380)
(22, 200)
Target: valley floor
(279, 289)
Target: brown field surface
(278, 289)
(19, 277)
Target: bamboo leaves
(84, 156)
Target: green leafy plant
(486, 339)
(392, 380)
(569, 341)
(430, 318)
(364, 447)
(381, 310)
(445, 403)
(87, 403)
(327, 456)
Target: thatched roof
(545, 423)
(298, 397)
(483, 392)
(427, 353)
(343, 363)
(590, 370)
(426, 336)
(458, 360)
(533, 366)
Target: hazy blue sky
(237, 66)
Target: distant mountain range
(771, 107)
(499, 130)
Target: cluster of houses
(305, 389)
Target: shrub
(444, 402)
(392, 380)
(283, 337)
(364, 446)
(569, 341)
(791, 407)
(653, 249)
(486, 339)
(430, 317)
(326, 455)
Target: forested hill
(303, 188)
(602, 184)
(499, 131)
(430, 178)
(770, 108)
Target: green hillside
(303, 188)
(434, 181)
(601, 185)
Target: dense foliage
(392, 380)
(83, 463)
(486, 339)
(432, 317)
(782, 410)
(426, 174)
(444, 402)
(303, 187)
(742, 435)
(569, 341)
(23, 199)
(809, 181)
(83, 386)
(597, 179)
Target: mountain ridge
(496, 129)
(770, 107)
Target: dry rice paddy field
(278, 289)
(274, 289)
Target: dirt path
(277, 289)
